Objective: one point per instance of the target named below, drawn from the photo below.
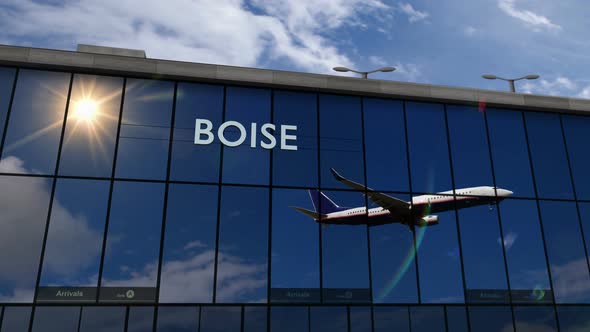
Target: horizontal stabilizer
(314, 215)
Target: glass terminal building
(147, 195)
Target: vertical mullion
(126, 319)
(9, 111)
(409, 318)
(363, 144)
(348, 318)
(1, 316)
(319, 184)
(79, 319)
(446, 318)
(270, 219)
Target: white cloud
(509, 240)
(413, 14)
(212, 31)
(194, 244)
(585, 93)
(559, 86)
(470, 31)
(535, 21)
(407, 71)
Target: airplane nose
(504, 192)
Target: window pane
(386, 319)
(91, 126)
(189, 245)
(191, 162)
(345, 255)
(6, 84)
(427, 319)
(532, 319)
(145, 129)
(577, 131)
(457, 319)
(429, 153)
(243, 245)
(360, 319)
(178, 319)
(102, 319)
(329, 319)
(341, 139)
(56, 319)
(247, 106)
(295, 275)
(289, 319)
(573, 319)
(23, 213)
(490, 319)
(16, 319)
(550, 165)
(393, 264)
(133, 242)
(567, 258)
(296, 168)
(141, 319)
(74, 241)
(35, 124)
(525, 253)
(255, 319)
(221, 319)
(585, 217)
(510, 154)
(385, 144)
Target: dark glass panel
(255, 319)
(91, 127)
(429, 152)
(145, 129)
(6, 84)
(341, 139)
(360, 319)
(567, 257)
(244, 164)
(550, 164)
(577, 136)
(427, 319)
(525, 252)
(345, 255)
(16, 319)
(439, 259)
(294, 267)
(386, 319)
(573, 319)
(243, 245)
(534, 319)
(56, 319)
(300, 167)
(328, 319)
(512, 167)
(585, 217)
(289, 319)
(189, 244)
(393, 263)
(385, 145)
(76, 230)
(24, 202)
(35, 123)
(141, 319)
(102, 319)
(133, 240)
(490, 319)
(221, 319)
(457, 319)
(178, 319)
(192, 162)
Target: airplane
(418, 212)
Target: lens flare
(86, 110)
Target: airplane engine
(427, 221)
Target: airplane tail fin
(322, 203)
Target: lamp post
(364, 74)
(510, 80)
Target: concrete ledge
(13, 53)
(111, 62)
(244, 74)
(185, 69)
(60, 57)
(111, 50)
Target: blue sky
(449, 42)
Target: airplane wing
(394, 205)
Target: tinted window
(23, 214)
(550, 164)
(35, 124)
(361, 319)
(385, 144)
(133, 242)
(178, 319)
(189, 244)
(490, 319)
(247, 106)
(427, 319)
(328, 319)
(531, 319)
(56, 319)
(102, 319)
(221, 319)
(145, 129)
(387, 319)
(191, 162)
(255, 319)
(243, 245)
(289, 319)
(457, 319)
(341, 139)
(91, 126)
(300, 167)
(141, 319)
(16, 319)
(576, 129)
(6, 85)
(573, 319)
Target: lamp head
(532, 77)
(386, 69)
(489, 77)
(341, 69)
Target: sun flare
(86, 110)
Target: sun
(86, 110)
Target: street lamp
(510, 80)
(364, 74)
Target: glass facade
(120, 211)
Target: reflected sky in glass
(577, 135)
(54, 319)
(6, 84)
